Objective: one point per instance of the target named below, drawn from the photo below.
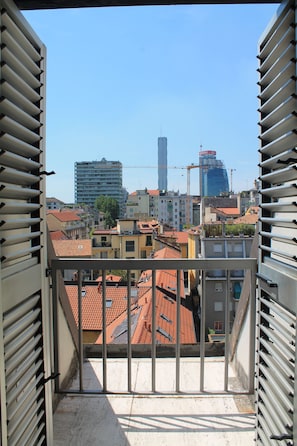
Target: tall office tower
(162, 163)
(214, 179)
(95, 178)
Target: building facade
(214, 178)
(95, 178)
(162, 163)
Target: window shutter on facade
(24, 358)
(276, 332)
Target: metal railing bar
(55, 328)
(104, 345)
(80, 331)
(202, 333)
(153, 264)
(129, 347)
(153, 331)
(252, 338)
(177, 345)
(227, 330)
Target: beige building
(130, 239)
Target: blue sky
(117, 78)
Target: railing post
(227, 330)
(104, 346)
(55, 291)
(177, 345)
(153, 331)
(252, 308)
(129, 348)
(80, 334)
(202, 331)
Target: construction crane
(231, 179)
(189, 168)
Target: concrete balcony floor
(185, 419)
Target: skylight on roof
(168, 298)
(108, 303)
(163, 316)
(164, 333)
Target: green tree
(110, 207)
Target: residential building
(40, 343)
(53, 203)
(142, 204)
(215, 241)
(95, 178)
(214, 178)
(162, 163)
(131, 239)
(174, 209)
(69, 222)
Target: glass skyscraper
(214, 179)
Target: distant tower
(214, 180)
(162, 163)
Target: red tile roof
(92, 304)
(73, 248)
(58, 235)
(110, 278)
(229, 211)
(166, 286)
(64, 216)
(179, 236)
(247, 219)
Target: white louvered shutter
(24, 358)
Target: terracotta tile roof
(229, 211)
(141, 318)
(64, 216)
(167, 253)
(154, 192)
(104, 231)
(110, 278)
(248, 219)
(179, 236)
(73, 248)
(58, 235)
(92, 305)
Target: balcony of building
(124, 393)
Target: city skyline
(133, 74)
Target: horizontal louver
(278, 127)
(24, 405)
(276, 329)
(20, 140)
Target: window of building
(130, 245)
(236, 290)
(103, 238)
(218, 287)
(218, 306)
(148, 240)
(218, 326)
(143, 254)
(103, 255)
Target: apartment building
(95, 178)
(32, 358)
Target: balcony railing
(202, 349)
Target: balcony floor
(184, 419)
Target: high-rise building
(214, 179)
(95, 178)
(162, 163)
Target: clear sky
(117, 78)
